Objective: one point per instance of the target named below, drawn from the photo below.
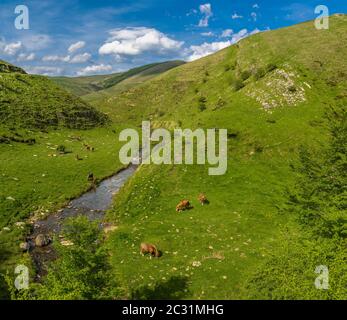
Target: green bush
(319, 204)
(245, 75)
(202, 103)
(290, 272)
(82, 270)
(259, 73)
(237, 84)
(271, 67)
(61, 149)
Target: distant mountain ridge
(89, 84)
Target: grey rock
(42, 240)
(24, 246)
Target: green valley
(277, 214)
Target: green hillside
(271, 91)
(81, 85)
(90, 84)
(267, 71)
(277, 213)
(34, 102)
(6, 67)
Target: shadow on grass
(173, 289)
(4, 254)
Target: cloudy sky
(75, 37)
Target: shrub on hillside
(82, 270)
(227, 67)
(271, 66)
(202, 103)
(61, 149)
(259, 73)
(319, 203)
(237, 84)
(245, 75)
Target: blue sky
(75, 37)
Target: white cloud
(81, 58)
(135, 41)
(207, 34)
(254, 16)
(46, 71)
(243, 33)
(36, 42)
(12, 48)
(94, 69)
(255, 31)
(236, 16)
(55, 58)
(255, 6)
(206, 10)
(26, 57)
(76, 46)
(205, 49)
(227, 33)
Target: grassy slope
(34, 180)
(82, 85)
(128, 80)
(35, 102)
(90, 84)
(243, 223)
(38, 183)
(38, 180)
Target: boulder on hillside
(24, 246)
(42, 240)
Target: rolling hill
(89, 84)
(276, 93)
(272, 92)
(35, 102)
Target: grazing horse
(146, 248)
(202, 199)
(183, 205)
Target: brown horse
(203, 199)
(183, 205)
(146, 248)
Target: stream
(92, 204)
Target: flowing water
(92, 204)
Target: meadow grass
(209, 251)
(37, 180)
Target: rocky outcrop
(9, 68)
